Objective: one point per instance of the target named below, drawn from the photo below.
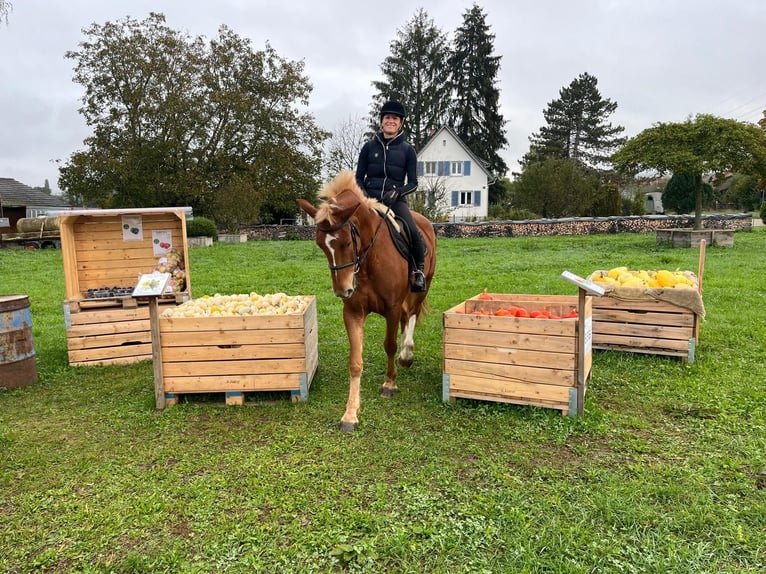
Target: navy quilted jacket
(385, 165)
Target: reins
(358, 261)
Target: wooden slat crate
(107, 336)
(651, 327)
(236, 355)
(97, 255)
(517, 360)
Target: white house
(457, 176)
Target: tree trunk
(698, 201)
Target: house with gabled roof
(18, 201)
(451, 172)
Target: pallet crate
(98, 252)
(236, 355)
(648, 326)
(524, 361)
(107, 336)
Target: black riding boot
(418, 279)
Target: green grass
(665, 472)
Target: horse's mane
(344, 181)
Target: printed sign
(151, 284)
(162, 242)
(132, 228)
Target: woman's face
(390, 125)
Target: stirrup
(418, 281)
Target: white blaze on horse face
(328, 239)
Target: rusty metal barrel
(18, 362)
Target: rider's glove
(389, 197)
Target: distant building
(449, 169)
(18, 201)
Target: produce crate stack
(104, 252)
(506, 348)
(245, 344)
(657, 313)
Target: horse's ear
(307, 207)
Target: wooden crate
(96, 254)
(525, 361)
(236, 355)
(107, 336)
(651, 327)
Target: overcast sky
(660, 60)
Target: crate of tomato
(520, 349)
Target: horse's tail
(420, 309)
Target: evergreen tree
(415, 74)
(475, 116)
(577, 126)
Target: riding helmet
(392, 107)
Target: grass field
(665, 472)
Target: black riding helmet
(392, 107)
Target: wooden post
(154, 321)
(580, 351)
(701, 266)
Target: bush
(763, 212)
(201, 227)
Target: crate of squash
(649, 311)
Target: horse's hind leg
(408, 342)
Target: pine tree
(415, 74)
(475, 116)
(578, 126)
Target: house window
(466, 198)
(430, 168)
(456, 168)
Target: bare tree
(431, 198)
(5, 8)
(343, 147)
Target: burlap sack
(686, 298)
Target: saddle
(400, 233)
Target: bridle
(358, 260)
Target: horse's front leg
(389, 386)
(355, 331)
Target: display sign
(151, 284)
(585, 284)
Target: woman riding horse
(385, 163)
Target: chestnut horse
(370, 276)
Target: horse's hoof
(405, 363)
(388, 392)
(347, 427)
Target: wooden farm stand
(648, 326)
(235, 355)
(96, 254)
(524, 361)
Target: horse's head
(337, 233)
